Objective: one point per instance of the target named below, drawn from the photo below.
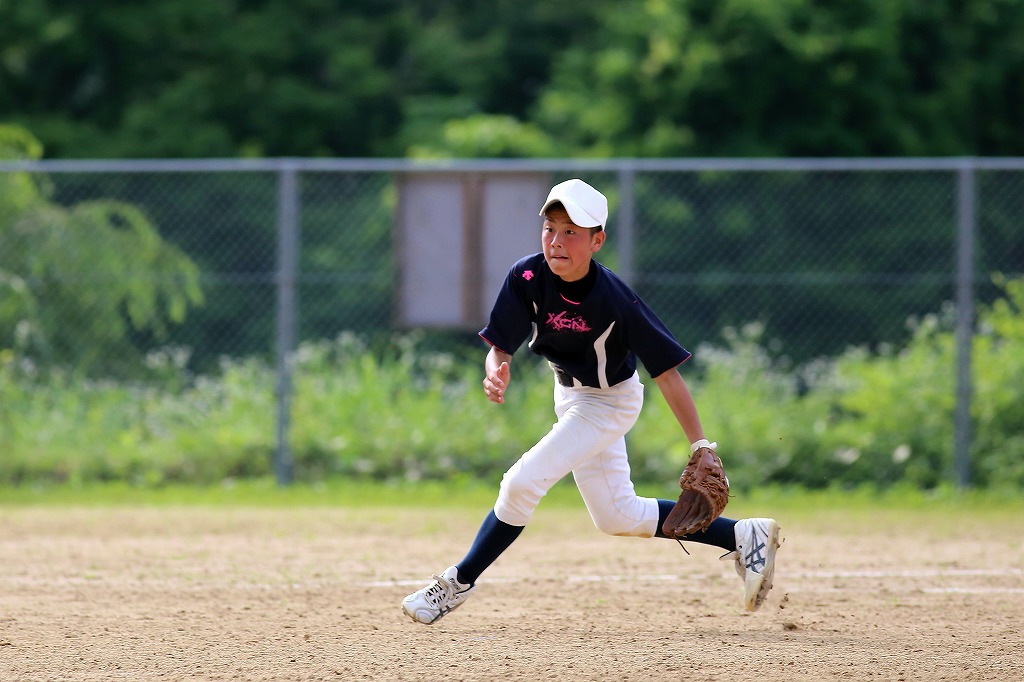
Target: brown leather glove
(705, 492)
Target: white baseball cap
(586, 206)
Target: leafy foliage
(401, 412)
(189, 78)
(76, 280)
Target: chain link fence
(822, 254)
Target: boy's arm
(679, 399)
(705, 487)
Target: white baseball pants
(589, 440)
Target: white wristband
(702, 443)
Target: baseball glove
(705, 494)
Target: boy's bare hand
(496, 382)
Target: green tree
(76, 280)
(751, 78)
(187, 78)
(744, 77)
(174, 78)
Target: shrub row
(402, 411)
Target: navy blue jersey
(595, 341)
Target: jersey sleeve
(512, 315)
(651, 341)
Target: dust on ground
(210, 593)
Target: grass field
(251, 582)
(477, 494)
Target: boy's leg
(607, 489)
(749, 543)
(588, 422)
(493, 538)
(721, 532)
(570, 440)
(450, 590)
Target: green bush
(889, 414)
(404, 413)
(77, 281)
(401, 411)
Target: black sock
(494, 537)
(720, 533)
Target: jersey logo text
(562, 322)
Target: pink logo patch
(527, 275)
(562, 322)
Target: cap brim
(576, 214)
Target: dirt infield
(314, 594)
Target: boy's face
(568, 248)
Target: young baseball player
(591, 328)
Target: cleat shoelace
(441, 592)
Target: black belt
(562, 377)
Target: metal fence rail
(825, 253)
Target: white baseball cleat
(756, 542)
(437, 599)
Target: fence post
(627, 222)
(287, 312)
(967, 225)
